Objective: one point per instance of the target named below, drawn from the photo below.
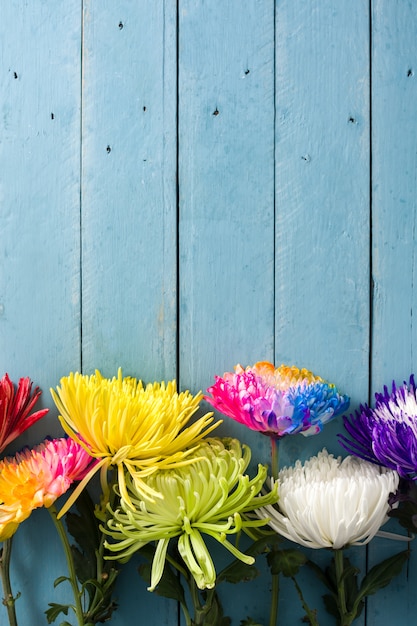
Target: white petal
(330, 502)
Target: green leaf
(147, 551)
(350, 572)
(249, 622)
(84, 528)
(286, 562)
(55, 610)
(382, 574)
(267, 542)
(169, 586)
(59, 580)
(406, 514)
(350, 579)
(330, 602)
(85, 564)
(212, 613)
(68, 624)
(359, 609)
(98, 587)
(321, 575)
(238, 572)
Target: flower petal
(276, 401)
(331, 503)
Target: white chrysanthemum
(331, 503)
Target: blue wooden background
(189, 184)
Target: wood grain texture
(226, 212)
(322, 190)
(39, 191)
(394, 204)
(129, 189)
(39, 243)
(394, 137)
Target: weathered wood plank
(226, 187)
(40, 71)
(129, 188)
(394, 90)
(394, 204)
(129, 215)
(39, 152)
(226, 210)
(322, 208)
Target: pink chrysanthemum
(37, 477)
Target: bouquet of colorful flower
(327, 502)
(34, 478)
(169, 488)
(172, 485)
(117, 427)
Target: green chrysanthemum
(211, 496)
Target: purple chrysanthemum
(386, 434)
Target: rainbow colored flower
(277, 401)
(37, 477)
(16, 407)
(386, 434)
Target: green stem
(78, 609)
(274, 458)
(8, 600)
(346, 618)
(312, 618)
(98, 594)
(202, 615)
(183, 571)
(201, 610)
(273, 615)
(195, 600)
(186, 613)
(177, 566)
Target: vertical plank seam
(274, 182)
(177, 179)
(177, 208)
(371, 280)
(80, 224)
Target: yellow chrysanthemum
(128, 425)
(213, 497)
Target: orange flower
(37, 477)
